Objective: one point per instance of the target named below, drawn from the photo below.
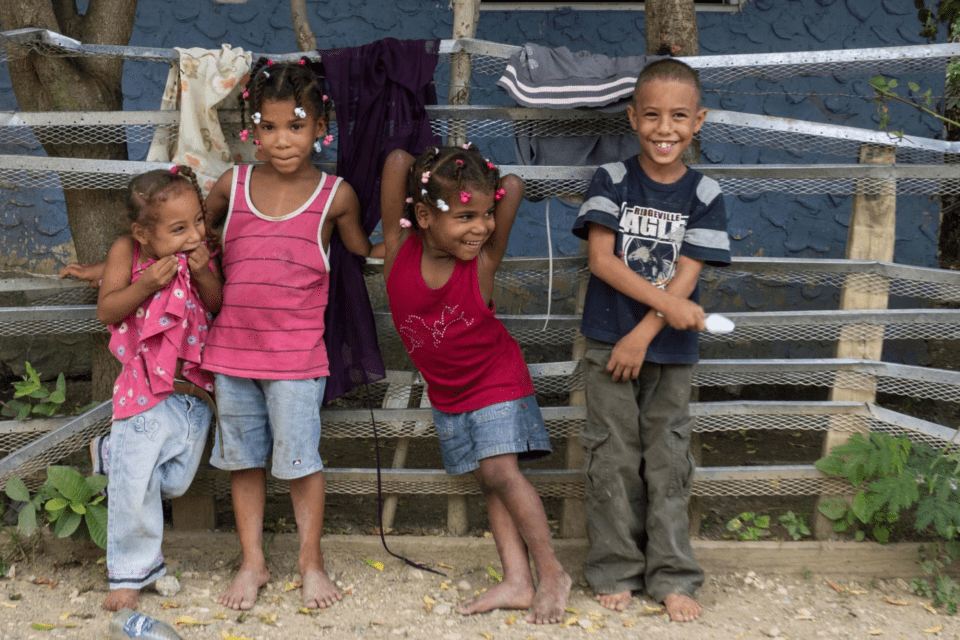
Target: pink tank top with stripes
(275, 291)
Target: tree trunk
(47, 82)
(306, 41)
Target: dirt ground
(66, 585)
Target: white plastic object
(715, 323)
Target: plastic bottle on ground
(130, 624)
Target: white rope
(549, 268)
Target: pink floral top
(169, 326)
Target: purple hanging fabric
(380, 92)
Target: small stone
(463, 585)
(167, 586)
(586, 624)
(442, 609)
(772, 632)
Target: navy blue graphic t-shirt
(655, 224)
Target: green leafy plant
(749, 526)
(70, 503)
(943, 589)
(33, 396)
(796, 525)
(893, 475)
(884, 92)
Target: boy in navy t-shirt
(651, 224)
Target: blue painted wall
(33, 226)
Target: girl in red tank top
(446, 220)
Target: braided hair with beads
(441, 173)
(271, 80)
(154, 187)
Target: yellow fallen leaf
(446, 566)
(573, 611)
(66, 615)
(8, 605)
(569, 622)
(227, 636)
(375, 564)
(936, 629)
(444, 586)
(875, 632)
(629, 623)
(510, 620)
(899, 603)
(429, 600)
(170, 605)
(494, 574)
(930, 609)
(594, 616)
(486, 635)
(190, 621)
(487, 534)
(290, 586)
(220, 616)
(652, 611)
(269, 618)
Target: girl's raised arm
(218, 201)
(505, 213)
(393, 197)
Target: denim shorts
(515, 426)
(264, 418)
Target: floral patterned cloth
(169, 326)
(202, 81)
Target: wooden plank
(871, 236)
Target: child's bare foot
(503, 596)
(242, 592)
(319, 592)
(121, 599)
(550, 602)
(682, 608)
(617, 601)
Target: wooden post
(573, 516)
(466, 14)
(871, 236)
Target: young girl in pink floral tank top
(158, 294)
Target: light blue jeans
(153, 456)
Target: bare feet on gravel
(242, 592)
(505, 595)
(617, 601)
(319, 592)
(682, 608)
(550, 602)
(121, 599)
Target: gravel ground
(66, 585)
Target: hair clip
(266, 74)
(465, 197)
(257, 142)
(436, 151)
(303, 61)
(491, 166)
(243, 135)
(269, 63)
(317, 145)
(325, 97)
(467, 146)
(405, 223)
(246, 94)
(443, 206)
(409, 201)
(174, 169)
(299, 112)
(256, 118)
(425, 178)
(327, 140)
(423, 192)
(499, 193)
(459, 162)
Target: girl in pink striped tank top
(266, 347)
